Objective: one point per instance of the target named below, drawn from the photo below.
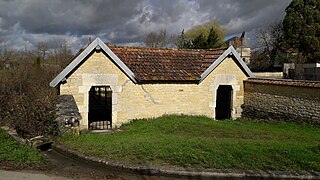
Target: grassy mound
(202, 142)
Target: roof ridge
(164, 49)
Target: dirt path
(60, 165)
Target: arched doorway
(223, 102)
(100, 108)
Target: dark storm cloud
(80, 17)
(244, 14)
(125, 21)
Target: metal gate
(100, 108)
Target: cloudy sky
(25, 23)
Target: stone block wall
(67, 114)
(282, 100)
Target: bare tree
(42, 49)
(157, 40)
(60, 55)
(65, 53)
(270, 39)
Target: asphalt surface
(18, 175)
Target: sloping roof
(150, 65)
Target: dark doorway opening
(224, 102)
(100, 108)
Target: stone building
(241, 47)
(113, 85)
(307, 71)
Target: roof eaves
(229, 51)
(62, 75)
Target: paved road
(20, 175)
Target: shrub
(27, 103)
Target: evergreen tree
(179, 42)
(182, 42)
(213, 39)
(199, 42)
(302, 28)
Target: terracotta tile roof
(149, 64)
(285, 82)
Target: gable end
(97, 44)
(229, 52)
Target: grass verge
(13, 155)
(203, 143)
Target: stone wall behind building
(282, 100)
